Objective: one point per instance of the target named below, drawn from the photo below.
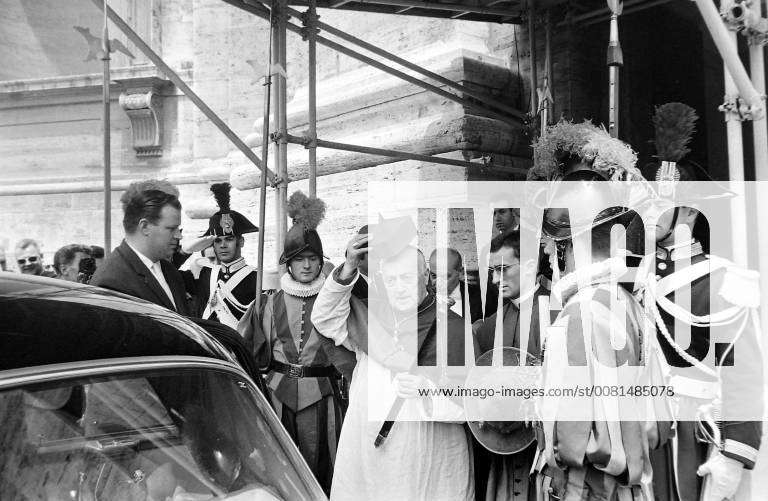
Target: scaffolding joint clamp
(736, 108)
(739, 16)
(279, 137)
(308, 141)
(278, 182)
(309, 21)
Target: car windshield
(181, 434)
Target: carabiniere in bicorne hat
(226, 221)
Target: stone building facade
(50, 106)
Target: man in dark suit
(507, 476)
(457, 289)
(140, 265)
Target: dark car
(104, 397)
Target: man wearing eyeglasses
(501, 476)
(29, 259)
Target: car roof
(47, 321)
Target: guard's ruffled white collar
(296, 288)
(609, 270)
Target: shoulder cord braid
(709, 413)
(650, 301)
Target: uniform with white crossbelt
(226, 289)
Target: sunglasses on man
(30, 259)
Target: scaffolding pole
(264, 159)
(727, 49)
(411, 66)
(532, 46)
(257, 9)
(105, 95)
(321, 143)
(735, 165)
(279, 56)
(183, 87)
(760, 140)
(310, 23)
(415, 4)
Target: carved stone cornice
(144, 109)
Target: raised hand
(356, 249)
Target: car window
(164, 435)
(66, 328)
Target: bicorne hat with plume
(226, 221)
(674, 125)
(306, 214)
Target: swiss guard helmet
(226, 221)
(306, 213)
(583, 154)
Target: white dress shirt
(457, 306)
(157, 272)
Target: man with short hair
(509, 275)
(506, 219)
(66, 261)
(140, 265)
(508, 476)
(457, 288)
(226, 289)
(29, 259)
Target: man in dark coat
(139, 266)
(507, 476)
(463, 298)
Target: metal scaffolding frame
(279, 14)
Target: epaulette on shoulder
(737, 285)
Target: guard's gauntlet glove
(722, 477)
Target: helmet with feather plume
(306, 213)
(582, 154)
(226, 221)
(674, 125)
(568, 146)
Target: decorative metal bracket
(144, 110)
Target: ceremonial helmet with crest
(674, 125)
(226, 221)
(583, 154)
(306, 214)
